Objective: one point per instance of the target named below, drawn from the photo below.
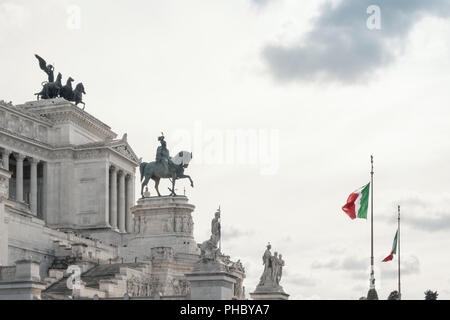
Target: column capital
(112, 168)
(19, 156)
(129, 175)
(121, 172)
(33, 160)
(6, 151)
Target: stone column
(130, 203)
(19, 177)
(121, 202)
(45, 190)
(113, 198)
(4, 194)
(5, 159)
(33, 185)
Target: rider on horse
(162, 154)
(165, 167)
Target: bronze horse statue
(50, 89)
(155, 170)
(66, 92)
(78, 94)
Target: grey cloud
(438, 222)
(409, 266)
(359, 288)
(341, 48)
(300, 280)
(426, 214)
(347, 263)
(355, 267)
(352, 263)
(233, 233)
(331, 264)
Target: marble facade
(67, 202)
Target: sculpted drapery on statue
(210, 249)
(215, 227)
(53, 89)
(273, 268)
(165, 167)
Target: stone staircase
(103, 281)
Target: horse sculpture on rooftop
(52, 89)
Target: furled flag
(394, 249)
(357, 203)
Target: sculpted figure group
(54, 88)
(179, 224)
(273, 268)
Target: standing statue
(267, 262)
(216, 228)
(190, 224)
(273, 268)
(280, 269)
(165, 167)
(178, 224)
(210, 249)
(185, 224)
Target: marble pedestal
(211, 281)
(269, 291)
(161, 222)
(269, 296)
(26, 283)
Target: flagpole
(371, 220)
(398, 240)
(372, 294)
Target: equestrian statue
(165, 167)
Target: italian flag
(357, 203)
(394, 249)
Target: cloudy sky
(282, 103)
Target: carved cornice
(120, 147)
(56, 111)
(24, 145)
(126, 151)
(60, 111)
(21, 112)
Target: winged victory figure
(48, 69)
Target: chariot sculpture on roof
(53, 88)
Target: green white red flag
(394, 249)
(357, 203)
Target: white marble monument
(68, 214)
